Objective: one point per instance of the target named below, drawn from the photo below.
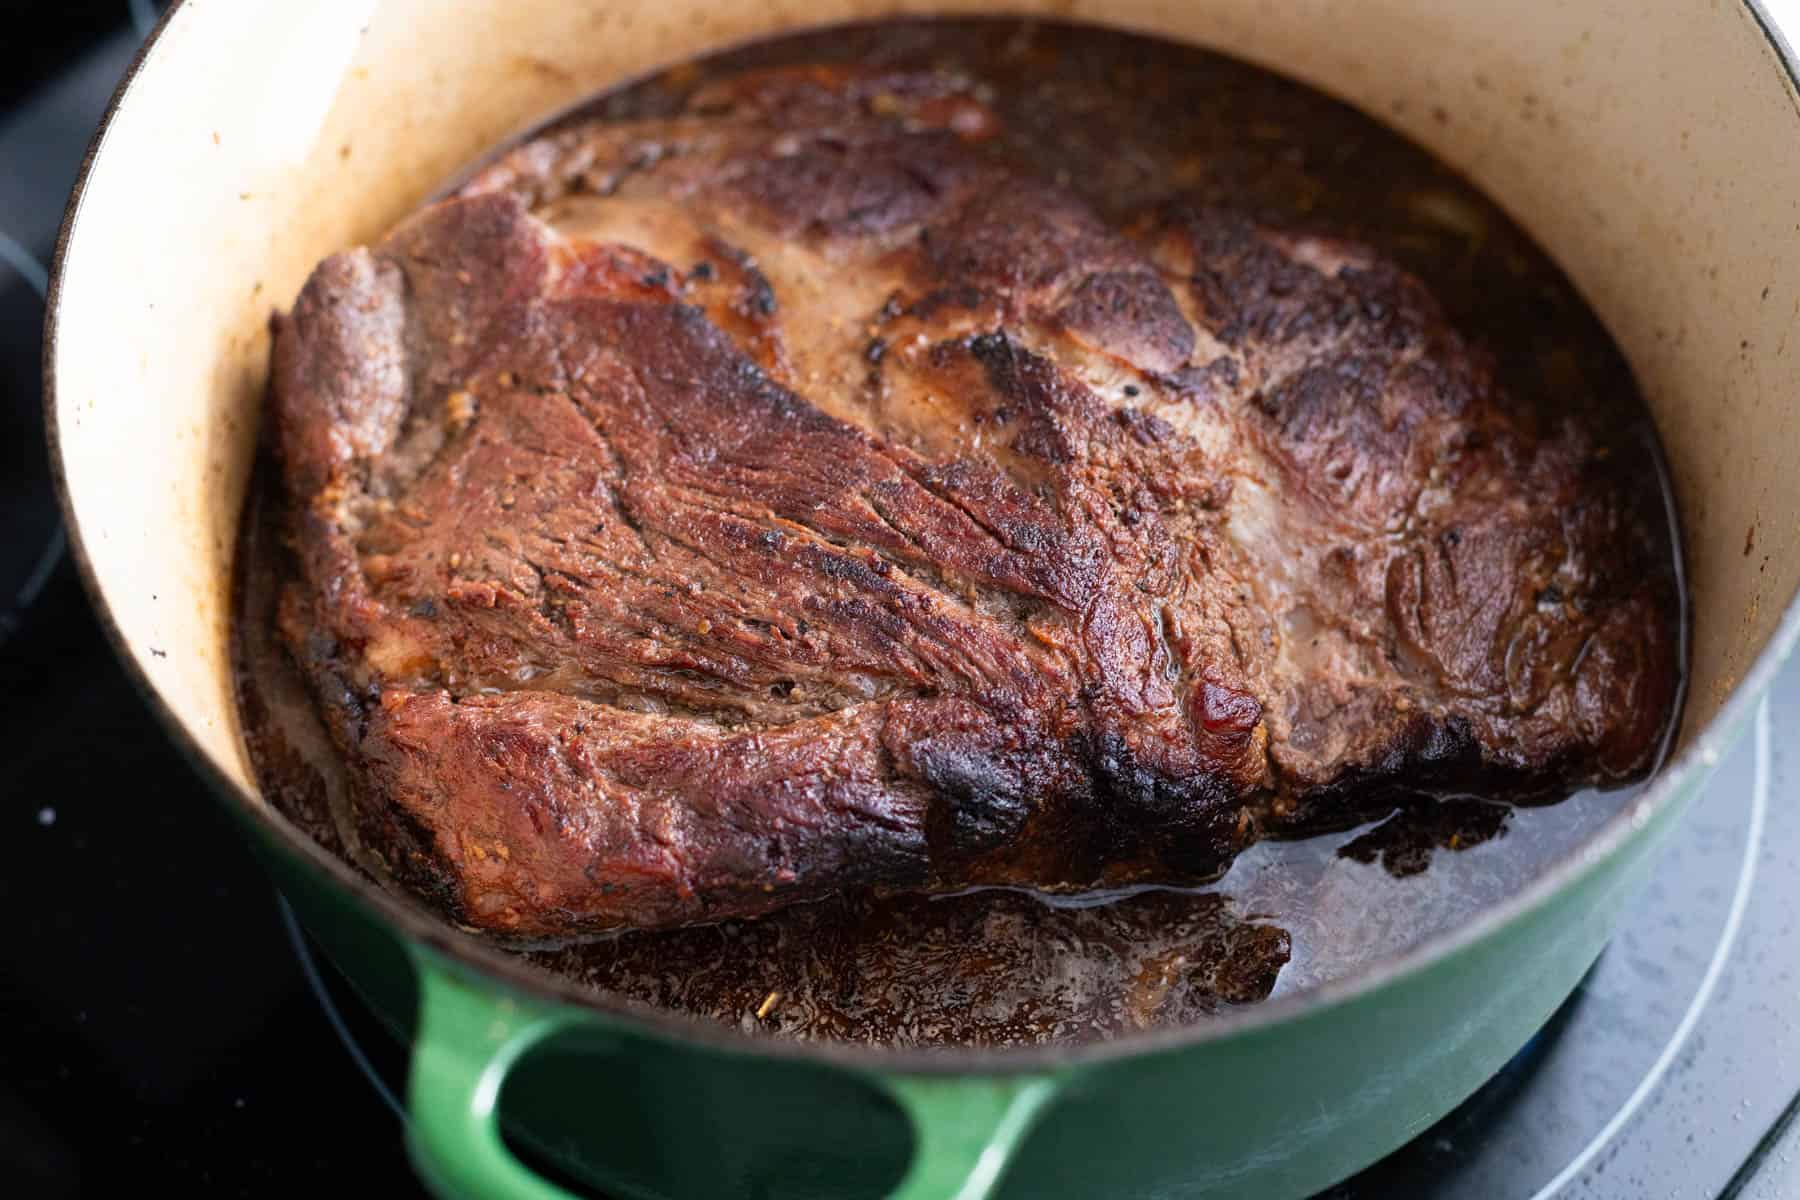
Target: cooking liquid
(1121, 120)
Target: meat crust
(702, 515)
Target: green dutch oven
(250, 140)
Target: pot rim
(1692, 763)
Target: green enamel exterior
(469, 1039)
(1277, 1110)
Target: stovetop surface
(162, 1022)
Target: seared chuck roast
(700, 515)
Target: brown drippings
(998, 967)
(1405, 841)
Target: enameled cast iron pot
(1653, 149)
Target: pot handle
(467, 1041)
(965, 1132)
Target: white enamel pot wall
(1653, 150)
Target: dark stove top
(163, 1022)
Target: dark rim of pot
(417, 924)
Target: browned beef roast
(702, 515)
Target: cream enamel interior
(1655, 154)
